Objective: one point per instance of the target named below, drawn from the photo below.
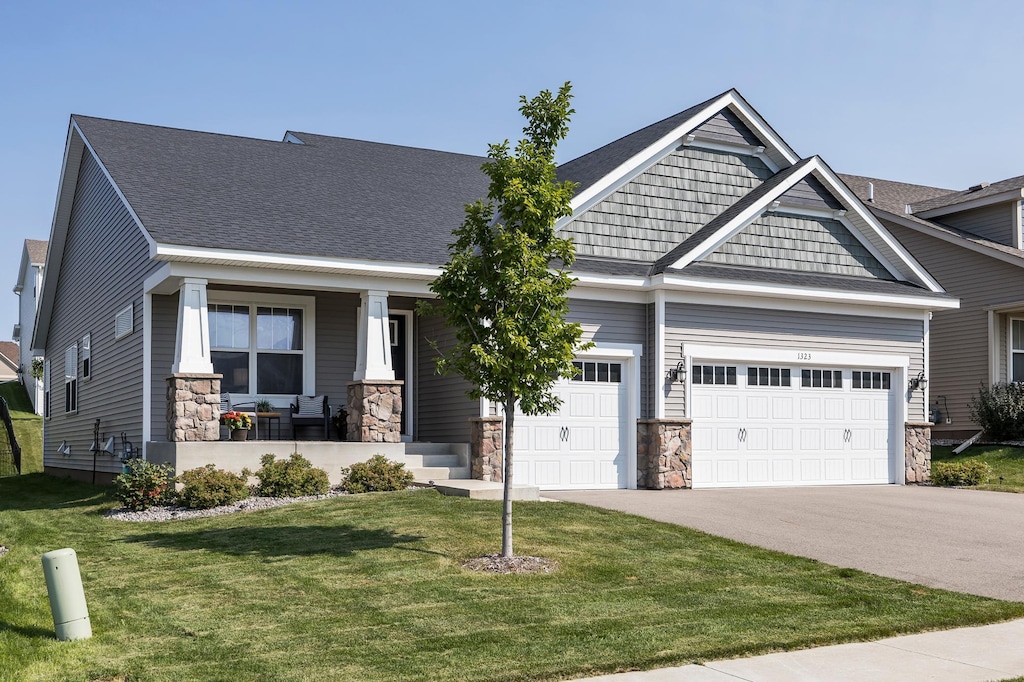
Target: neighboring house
(753, 322)
(8, 361)
(971, 241)
(28, 289)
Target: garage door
(777, 426)
(582, 446)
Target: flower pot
(239, 434)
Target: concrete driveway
(963, 540)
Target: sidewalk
(989, 652)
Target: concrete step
(426, 474)
(417, 448)
(420, 461)
(486, 490)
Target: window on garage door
(599, 372)
(821, 378)
(769, 376)
(872, 380)
(714, 374)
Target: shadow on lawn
(26, 630)
(282, 541)
(42, 491)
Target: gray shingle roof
(36, 250)
(591, 167)
(330, 197)
(954, 198)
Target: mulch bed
(495, 563)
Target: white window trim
(308, 306)
(47, 412)
(1009, 346)
(410, 375)
(128, 310)
(71, 378)
(86, 356)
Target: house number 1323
(803, 356)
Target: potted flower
(238, 423)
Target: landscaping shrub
(969, 472)
(999, 410)
(293, 477)
(376, 474)
(208, 487)
(144, 484)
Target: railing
(10, 451)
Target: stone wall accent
(918, 452)
(487, 448)
(664, 455)
(193, 407)
(375, 411)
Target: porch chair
(311, 411)
(249, 408)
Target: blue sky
(923, 92)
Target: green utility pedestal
(67, 598)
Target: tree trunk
(506, 506)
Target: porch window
(264, 341)
(1016, 350)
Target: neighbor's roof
(954, 197)
(330, 196)
(11, 351)
(36, 249)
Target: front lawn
(370, 588)
(28, 426)
(1007, 464)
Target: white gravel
(248, 504)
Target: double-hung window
(260, 349)
(71, 378)
(1016, 350)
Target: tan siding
(105, 260)
(755, 328)
(959, 353)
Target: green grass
(28, 426)
(369, 587)
(1006, 462)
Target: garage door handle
(743, 435)
(847, 435)
(563, 434)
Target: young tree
(504, 288)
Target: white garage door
(584, 444)
(778, 426)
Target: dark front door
(398, 350)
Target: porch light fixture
(918, 383)
(677, 373)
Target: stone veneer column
(193, 407)
(663, 458)
(375, 411)
(487, 448)
(918, 452)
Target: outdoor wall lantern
(677, 374)
(919, 382)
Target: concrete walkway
(961, 540)
(990, 652)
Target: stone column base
(918, 452)
(663, 458)
(193, 407)
(487, 448)
(375, 411)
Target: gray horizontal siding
(443, 408)
(105, 260)
(165, 329)
(959, 355)
(658, 209)
(800, 243)
(756, 328)
(991, 222)
(335, 345)
(617, 322)
(810, 192)
(727, 127)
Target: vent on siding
(124, 323)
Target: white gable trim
(646, 158)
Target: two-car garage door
(778, 426)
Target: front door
(398, 351)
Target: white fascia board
(1010, 307)
(806, 293)
(850, 199)
(1011, 195)
(796, 355)
(731, 148)
(166, 281)
(954, 239)
(174, 252)
(742, 219)
(642, 160)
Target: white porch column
(373, 345)
(192, 344)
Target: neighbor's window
(266, 342)
(46, 389)
(1016, 350)
(71, 378)
(86, 356)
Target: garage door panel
(782, 439)
(757, 470)
(728, 471)
(861, 468)
(547, 472)
(810, 470)
(835, 439)
(881, 408)
(727, 407)
(613, 473)
(782, 471)
(881, 469)
(810, 409)
(860, 409)
(860, 439)
(581, 405)
(727, 438)
(609, 407)
(582, 472)
(881, 440)
(545, 439)
(782, 407)
(757, 407)
(835, 469)
(756, 439)
(703, 407)
(702, 472)
(810, 439)
(835, 409)
(582, 438)
(703, 438)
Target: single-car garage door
(774, 426)
(584, 444)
